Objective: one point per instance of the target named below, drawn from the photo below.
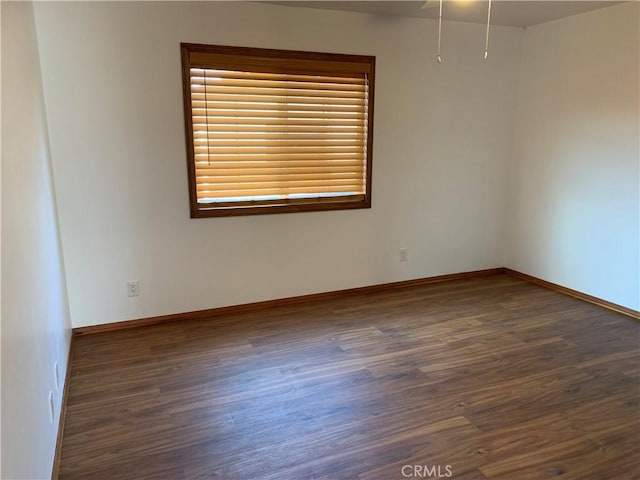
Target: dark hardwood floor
(487, 378)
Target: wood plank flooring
(487, 378)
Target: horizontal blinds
(265, 136)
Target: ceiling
(518, 13)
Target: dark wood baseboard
(63, 413)
(250, 307)
(574, 293)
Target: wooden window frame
(282, 62)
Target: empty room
(354, 240)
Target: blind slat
(204, 151)
(213, 80)
(281, 106)
(266, 184)
(200, 136)
(240, 129)
(276, 76)
(274, 114)
(203, 143)
(286, 171)
(205, 121)
(285, 159)
(300, 99)
(253, 177)
(280, 92)
(249, 192)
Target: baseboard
(250, 307)
(63, 414)
(574, 293)
(279, 302)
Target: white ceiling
(518, 13)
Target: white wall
(111, 73)
(575, 202)
(35, 319)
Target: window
(273, 131)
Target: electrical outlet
(404, 254)
(56, 375)
(51, 408)
(133, 288)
